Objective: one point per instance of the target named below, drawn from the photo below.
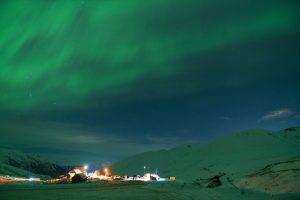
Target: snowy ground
(127, 190)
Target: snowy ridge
(16, 163)
(236, 155)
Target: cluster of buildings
(80, 174)
(146, 177)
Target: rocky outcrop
(275, 178)
(212, 182)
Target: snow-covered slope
(236, 155)
(16, 163)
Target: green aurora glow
(111, 78)
(56, 53)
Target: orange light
(106, 171)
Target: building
(79, 178)
(146, 177)
(97, 173)
(101, 174)
(76, 170)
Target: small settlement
(80, 174)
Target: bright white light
(30, 179)
(86, 167)
(144, 167)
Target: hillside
(16, 163)
(237, 155)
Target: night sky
(91, 81)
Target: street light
(86, 167)
(144, 169)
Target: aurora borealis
(111, 78)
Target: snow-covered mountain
(237, 155)
(16, 163)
